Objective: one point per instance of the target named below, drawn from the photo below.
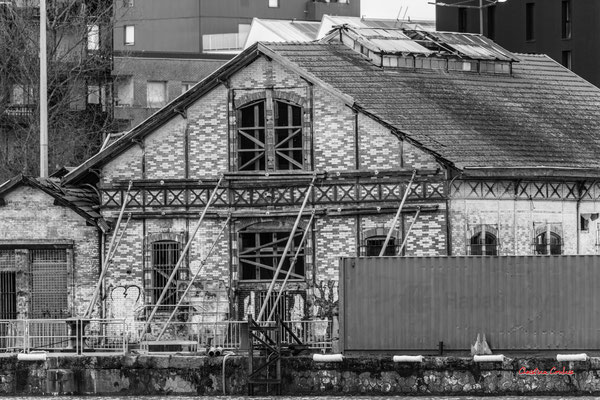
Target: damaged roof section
(388, 47)
(83, 200)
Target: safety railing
(315, 334)
(69, 336)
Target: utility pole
(43, 94)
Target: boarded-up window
(260, 252)
(49, 283)
(263, 148)
(157, 94)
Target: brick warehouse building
(503, 146)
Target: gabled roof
(83, 200)
(540, 115)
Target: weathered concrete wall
(191, 375)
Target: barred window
(374, 244)
(165, 255)
(8, 286)
(262, 148)
(260, 252)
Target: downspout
(102, 293)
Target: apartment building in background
(565, 30)
(163, 48)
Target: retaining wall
(179, 375)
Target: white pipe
(181, 258)
(33, 356)
(212, 351)
(418, 359)
(43, 94)
(328, 358)
(189, 286)
(489, 358)
(398, 213)
(287, 248)
(572, 357)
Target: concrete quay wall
(201, 375)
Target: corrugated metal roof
(290, 31)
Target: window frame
(373, 250)
(154, 288)
(541, 233)
(129, 35)
(271, 249)
(164, 90)
(566, 19)
(529, 22)
(266, 136)
(476, 232)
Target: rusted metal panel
(518, 302)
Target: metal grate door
(49, 283)
(8, 285)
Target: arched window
(261, 248)
(545, 246)
(265, 147)
(484, 244)
(164, 257)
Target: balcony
(18, 110)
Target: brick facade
(330, 130)
(30, 221)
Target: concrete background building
(163, 48)
(566, 30)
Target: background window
(566, 19)
(157, 94)
(529, 21)
(462, 19)
(21, 95)
(273, 3)
(185, 86)
(566, 59)
(93, 37)
(124, 91)
(129, 35)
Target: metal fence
(69, 336)
(529, 303)
(98, 336)
(316, 334)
